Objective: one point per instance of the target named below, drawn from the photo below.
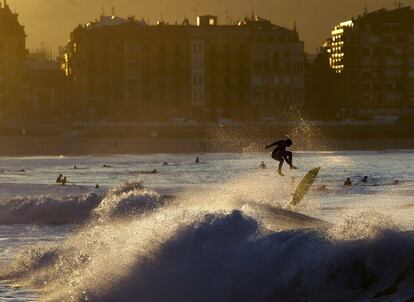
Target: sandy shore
(25, 146)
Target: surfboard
(304, 186)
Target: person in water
(59, 179)
(281, 154)
(64, 181)
(263, 165)
(149, 172)
(323, 188)
(365, 179)
(348, 182)
(197, 161)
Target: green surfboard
(304, 186)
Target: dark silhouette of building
(323, 102)
(46, 97)
(373, 56)
(130, 70)
(12, 64)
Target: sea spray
(220, 257)
(125, 187)
(48, 210)
(202, 247)
(130, 203)
(362, 224)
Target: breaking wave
(212, 246)
(47, 210)
(127, 199)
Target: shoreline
(55, 146)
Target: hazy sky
(51, 21)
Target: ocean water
(219, 230)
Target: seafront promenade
(78, 139)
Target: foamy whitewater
(220, 230)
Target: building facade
(128, 69)
(13, 77)
(46, 95)
(373, 56)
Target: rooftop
(9, 23)
(403, 14)
(253, 22)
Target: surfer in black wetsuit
(281, 154)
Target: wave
(130, 198)
(177, 256)
(47, 210)
(225, 244)
(131, 203)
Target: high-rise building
(373, 56)
(12, 64)
(140, 72)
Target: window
(257, 65)
(177, 50)
(212, 49)
(227, 82)
(162, 65)
(227, 66)
(213, 81)
(257, 81)
(195, 96)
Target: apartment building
(128, 69)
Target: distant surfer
(365, 179)
(59, 179)
(348, 182)
(149, 172)
(197, 160)
(322, 188)
(281, 154)
(64, 181)
(165, 163)
(263, 165)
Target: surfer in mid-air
(281, 154)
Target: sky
(51, 21)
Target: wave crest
(48, 210)
(130, 203)
(220, 257)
